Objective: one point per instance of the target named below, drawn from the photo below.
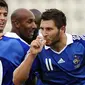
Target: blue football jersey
(66, 67)
(12, 52)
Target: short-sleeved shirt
(66, 67)
(12, 52)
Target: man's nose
(2, 17)
(34, 25)
(44, 32)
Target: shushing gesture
(37, 45)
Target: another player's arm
(21, 73)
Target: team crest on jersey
(76, 61)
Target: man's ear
(63, 28)
(17, 24)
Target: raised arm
(21, 73)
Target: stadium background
(73, 9)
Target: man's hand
(37, 45)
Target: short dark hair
(37, 15)
(3, 4)
(56, 15)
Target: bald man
(23, 23)
(15, 44)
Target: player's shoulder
(14, 37)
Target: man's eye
(30, 21)
(48, 28)
(5, 14)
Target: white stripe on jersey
(46, 61)
(1, 73)
(50, 63)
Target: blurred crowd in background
(73, 9)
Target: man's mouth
(31, 34)
(1, 25)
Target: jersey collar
(14, 35)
